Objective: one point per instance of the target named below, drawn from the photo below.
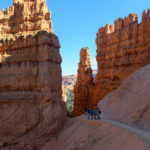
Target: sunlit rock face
(84, 82)
(121, 49)
(25, 17)
(31, 107)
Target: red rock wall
(31, 107)
(30, 89)
(121, 49)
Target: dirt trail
(82, 134)
(145, 135)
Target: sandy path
(145, 135)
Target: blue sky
(76, 23)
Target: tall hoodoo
(84, 82)
(31, 107)
(121, 49)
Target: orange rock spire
(84, 82)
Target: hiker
(91, 114)
(95, 113)
(87, 112)
(98, 113)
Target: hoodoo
(31, 107)
(84, 82)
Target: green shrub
(70, 99)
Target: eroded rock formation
(121, 49)
(31, 107)
(25, 17)
(84, 82)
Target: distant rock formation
(121, 49)
(130, 103)
(69, 80)
(31, 107)
(84, 82)
(68, 83)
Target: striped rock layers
(31, 107)
(121, 49)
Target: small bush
(70, 99)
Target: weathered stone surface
(121, 49)
(31, 107)
(24, 17)
(84, 82)
(130, 103)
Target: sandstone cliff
(84, 82)
(31, 107)
(121, 49)
(130, 103)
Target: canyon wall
(31, 107)
(84, 82)
(121, 49)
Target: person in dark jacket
(98, 113)
(95, 113)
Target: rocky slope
(31, 107)
(130, 103)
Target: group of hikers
(92, 114)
